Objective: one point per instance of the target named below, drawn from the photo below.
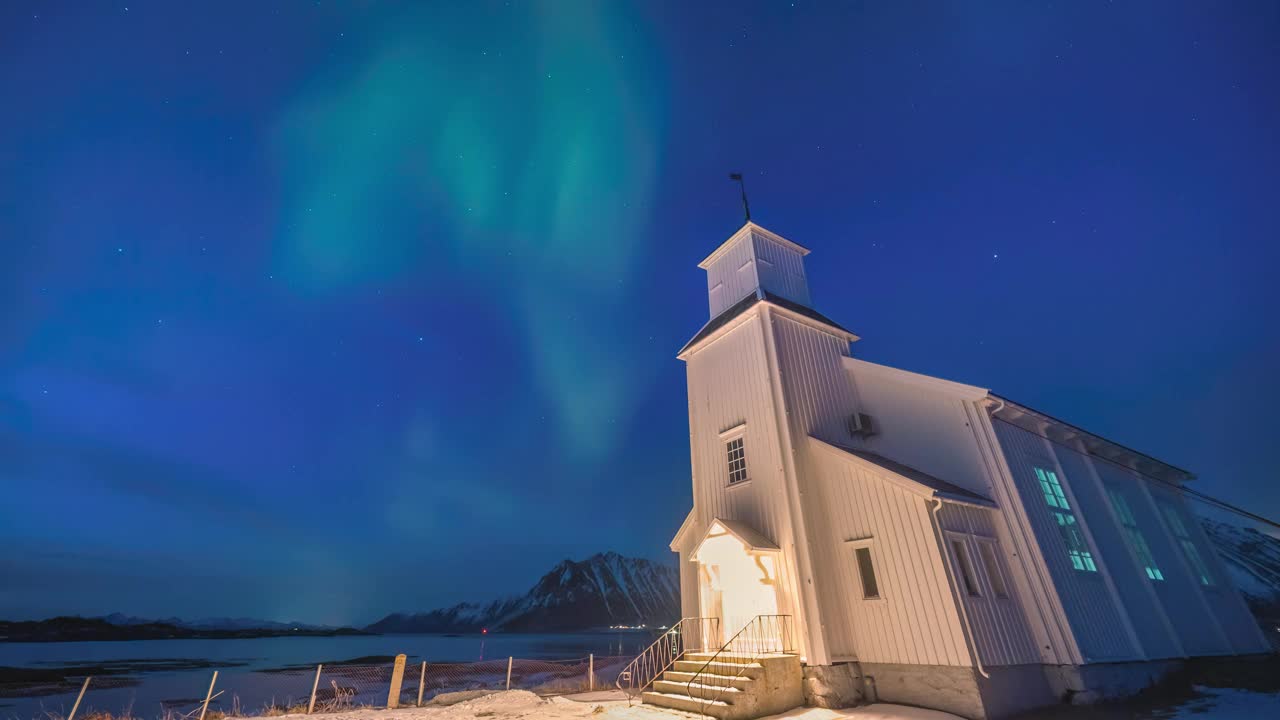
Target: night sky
(319, 310)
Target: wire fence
(325, 688)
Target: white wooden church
(911, 539)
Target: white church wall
(1188, 629)
(1236, 627)
(819, 396)
(689, 587)
(732, 275)
(1191, 624)
(1136, 604)
(780, 269)
(729, 387)
(918, 426)
(685, 543)
(1000, 630)
(914, 620)
(818, 400)
(1101, 633)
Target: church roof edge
(746, 228)
(751, 301)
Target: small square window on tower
(737, 460)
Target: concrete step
(739, 681)
(752, 670)
(696, 690)
(714, 708)
(725, 657)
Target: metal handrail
(763, 635)
(691, 633)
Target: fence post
(422, 682)
(208, 695)
(397, 678)
(312, 705)
(591, 671)
(79, 698)
(509, 659)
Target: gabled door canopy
(753, 541)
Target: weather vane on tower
(743, 186)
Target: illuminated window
(737, 461)
(1077, 549)
(992, 565)
(867, 572)
(1052, 489)
(1136, 540)
(1189, 548)
(966, 568)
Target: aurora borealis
(323, 310)
(527, 168)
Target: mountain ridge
(606, 589)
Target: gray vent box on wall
(861, 425)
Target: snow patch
(1229, 704)
(514, 704)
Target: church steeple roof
(751, 301)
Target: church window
(966, 568)
(1136, 540)
(991, 564)
(1052, 489)
(737, 461)
(1188, 546)
(1072, 537)
(867, 573)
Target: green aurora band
(519, 159)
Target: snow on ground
(513, 704)
(1213, 704)
(1229, 704)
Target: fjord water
(243, 665)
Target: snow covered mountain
(1253, 560)
(605, 589)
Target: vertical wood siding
(1000, 630)
(1190, 630)
(923, 428)
(1115, 559)
(1236, 630)
(780, 270)
(915, 620)
(818, 395)
(688, 585)
(1100, 631)
(817, 400)
(729, 384)
(1110, 551)
(732, 276)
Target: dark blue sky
(318, 311)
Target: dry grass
(276, 710)
(270, 709)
